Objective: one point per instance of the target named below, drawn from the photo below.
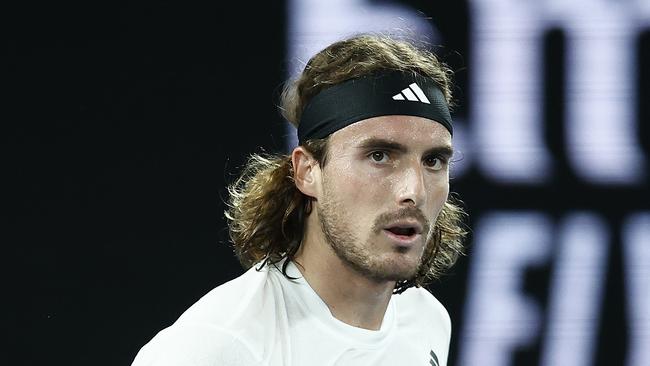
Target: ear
(306, 172)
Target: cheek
(437, 187)
(363, 189)
(358, 191)
(438, 196)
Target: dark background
(124, 123)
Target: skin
(380, 172)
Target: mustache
(414, 213)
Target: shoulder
(227, 303)
(419, 303)
(195, 345)
(232, 322)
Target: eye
(434, 162)
(379, 156)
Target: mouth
(404, 233)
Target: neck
(351, 297)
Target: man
(340, 236)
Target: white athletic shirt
(263, 318)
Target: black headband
(391, 93)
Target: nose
(411, 187)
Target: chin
(399, 268)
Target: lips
(404, 232)
(405, 228)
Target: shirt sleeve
(195, 345)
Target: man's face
(385, 182)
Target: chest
(311, 344)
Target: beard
(367, 258)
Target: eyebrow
(382, 144)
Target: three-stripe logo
(412, 93)
(434, 359)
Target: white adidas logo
(412, 93)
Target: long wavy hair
(266, 212)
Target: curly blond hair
(266, 212)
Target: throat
(350, 297)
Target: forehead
(408, 130)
